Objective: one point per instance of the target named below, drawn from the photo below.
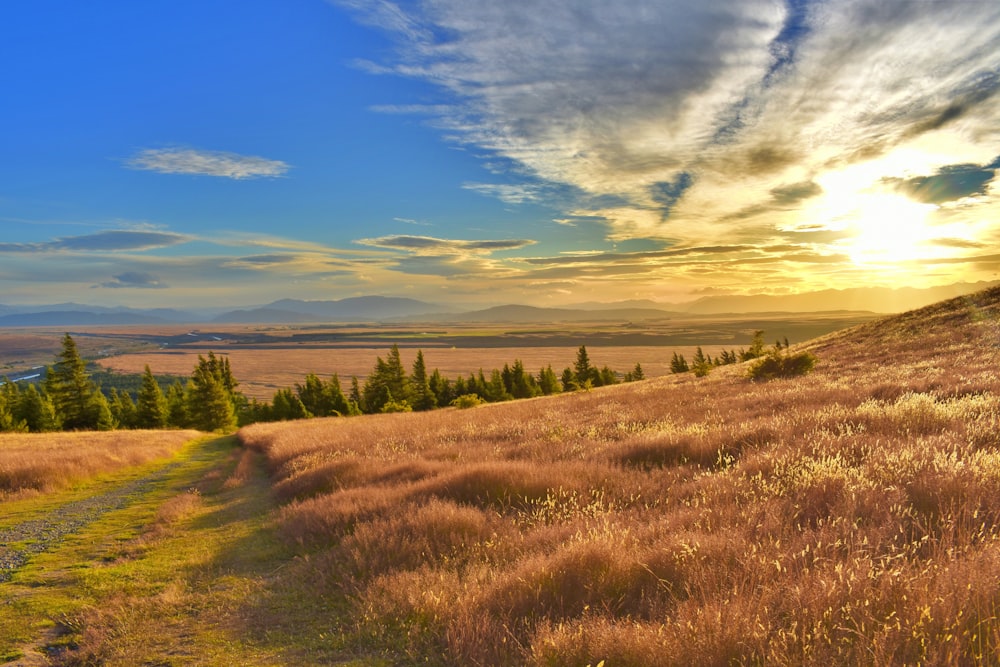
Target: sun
(887, 228)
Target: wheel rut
(20, 542)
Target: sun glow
(888, 228)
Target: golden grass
(262, 371)
(42, 462)
(851, 516)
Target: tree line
(69, 399)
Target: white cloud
(206, 163)
(694, 121)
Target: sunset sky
(473, 152)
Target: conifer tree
(582, 370)
(441, 387)
(9, 399)
(339, 402)
(287, 406)
(152, 410)
(315, 396)
(123, 409)
(209, 404)
(568, 380)
(74, 396)
(36, 411)
(523, 384)
(548, 383)
(177, 410)
(423, 397)
(387, 379)
(700, 364)
(679, 364)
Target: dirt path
(20, 542)
(42, 556)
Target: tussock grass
(850, 516)
(43, 462)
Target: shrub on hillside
(779, 363)
(467, 401)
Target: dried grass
(42, 462)
(851, 516)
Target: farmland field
(267, 357)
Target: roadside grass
(36, 463)
(192, 573)
(850, 516)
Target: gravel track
(19, 543)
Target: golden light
(887, 228)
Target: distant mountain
(618, 305)
(533, 315)
(58, 318)
(264, 316)
(354, 309)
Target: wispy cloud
(428, 245)
(109, 241)
(134, 280)
(207, 163)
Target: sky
(212, 153)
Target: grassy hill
(850, 516)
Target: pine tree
(209, 404)
(315, 396)
(71, 390)
(338, 402)
(151, 405)
(523, 384)
(423, 397)
(123, 409)
(177, 410)
(387, 379)
(287, 405)
(635, 374)
(36, 411)
(10, 397)
(582, 370)
(548, 383)
(355, 397)
(679, 364)
(700, 364)
(441, 387)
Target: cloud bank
(697, 123)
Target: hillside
(846, 517)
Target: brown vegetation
(261, 372)
(851, 516)
(42, 462)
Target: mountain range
(380, 308)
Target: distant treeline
(71, 397)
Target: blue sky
(469, 152)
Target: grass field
(850, 516)
(32, 463)
(846, 517)
(262, 372)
